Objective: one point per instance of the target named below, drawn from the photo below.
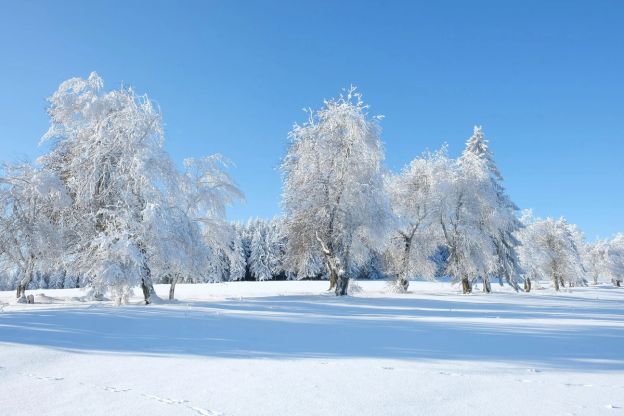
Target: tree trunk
(487, 288)
(556, 280)
(146, 284)
(28, 276)
(333, 279)
(174, 280)
(527, 285)
(562, 281)
(342, 284)
(466, 285)
(402, 281)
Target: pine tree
(507, 265)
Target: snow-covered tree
(107, 147)
(276, 246)
(614, 264)
(236, 255)
(605, 258)
(131, 209)
(32, 236)
(176, 246)
(206, 190)
(503, 221)
(551, 250)
(468, 220)
(259, 259)
(333, 195)
(415, 198)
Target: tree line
(106, 208)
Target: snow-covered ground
(288, 348)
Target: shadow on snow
(555, 331)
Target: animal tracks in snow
(113, 389)
(38, 377)
(185, 403)
(116, 389)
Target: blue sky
(544, 78)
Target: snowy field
(287, 348)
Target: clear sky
(544, 78)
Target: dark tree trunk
(527, 285)
(342, 284)
(21, 290)
(466, 285)
(147, 286)
(487, 288)
(402, 281)
(174, 281)
(556, 280)
(28, 276)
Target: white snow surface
(289, 348)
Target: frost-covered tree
(333, 195)
(259, 258)
(415, 198)
(594, 257)
(551, 250)
(175, 242)
(614, 264)
(107, 147)
(468, 219)
(32, 230)
(131, 209)
(276, 246)
(206, 189)
(236, 255)
(503, 221)
(605, 258)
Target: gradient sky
(544, 78)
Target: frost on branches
(551, 250)
(502, 221)
(131, 211)
(415, 194)
(107, 209)
(333, 195)
(32, 207)
(605, 259)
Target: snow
(289, 348)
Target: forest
(106, 208)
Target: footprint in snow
(116, 389)
(43, 377)
(204, 412)
(185, 403)
(164, 399)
